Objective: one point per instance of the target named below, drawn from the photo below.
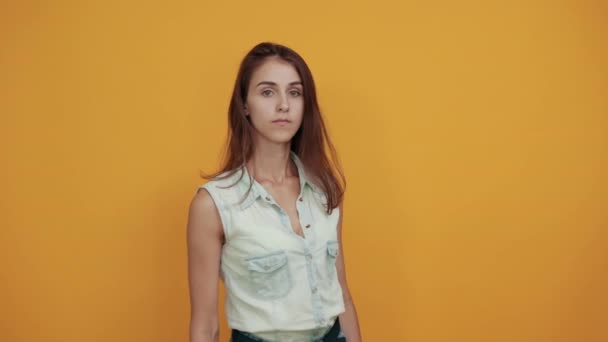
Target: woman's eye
(295, 93)
(267, 92)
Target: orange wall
(474, 136)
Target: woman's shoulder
(225, 184)
(227, 189)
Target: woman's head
(275, 83)
(274, 104)
(273, 62)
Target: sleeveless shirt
(279, 286)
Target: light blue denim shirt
(279, 286)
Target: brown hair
(310, 141)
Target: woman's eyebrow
(274, 83)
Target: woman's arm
(205, 238)
(349, 322)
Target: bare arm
(205, 238)
(349, 322)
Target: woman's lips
(281, 122)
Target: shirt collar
(257, 190)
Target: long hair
(310, 142)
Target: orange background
(474, 136)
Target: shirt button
(301, 199)
(307, 226)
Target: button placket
(282, 214)
(313, 284)
(306, 223)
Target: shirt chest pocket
(269, 275)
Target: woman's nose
(283, 105)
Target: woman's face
(275, 102)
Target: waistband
(327, 334)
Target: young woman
(269, 223)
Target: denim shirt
(277, 282)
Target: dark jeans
(333, 335)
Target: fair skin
(274, 93)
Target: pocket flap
(333, 248)
(268, 263)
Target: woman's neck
(273, 166)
